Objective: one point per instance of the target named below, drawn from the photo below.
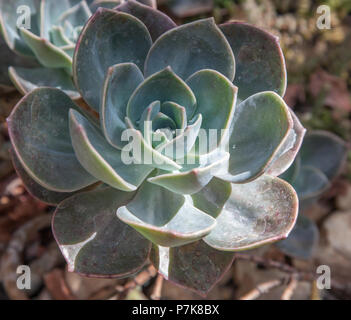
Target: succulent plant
(49, 39)
(319, 162)
(180, 165)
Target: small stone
(338, 232)
(343, 201)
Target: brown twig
(139, 280)
(300, 275)
(57, 286)
(156, 294)
(12, 257)
(289, 290)
(262, 288)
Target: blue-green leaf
(192, 47)
(120, 82)
(39, 132)
(93, 240)
(109, 37)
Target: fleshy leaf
(142, 153)
(302, 240)
(287, 157)
(99, 158)
(192, 47)
(48, 55)
(192, 181)
(256, 213)
(58, 37)
(8, 23)
(28, 79)
(324, 151)
(151, 3)
(212, 198)
(261, 125)
(260, 64)
(215, 97)
(196, 266)
(155, 205)
(108, 38)
(178, 223)
(156, 21)
(34, 188)
(146, 119)
(310, 182)
(176, 112)
(108, 4)
(120, 82)
(93, 240)
(61, 14)
(163, 86)
(162, 121)
(291, 174)
(184, 142)
(39, 132)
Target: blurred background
(319, 83)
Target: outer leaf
(156, 21)
(257, 213)
(212, 198)
(291, 174)
(93, 241)
(192, 47)
(303, 239)
(28, 79)
(99, 158)
(190, 182)
(324, 151)
(287, 156)
(310, 183)
(120, 82)
(162, 86)
(125, 39)
(34, 188)
(260, 64)
(187, 225)
(261, 126)
(39, 132)
(196, 266)
(48, 55)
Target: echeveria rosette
(318, 163)
(187, 211)
(50, 40)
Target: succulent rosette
(46, 31)
(138, 183)
(318, 163)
